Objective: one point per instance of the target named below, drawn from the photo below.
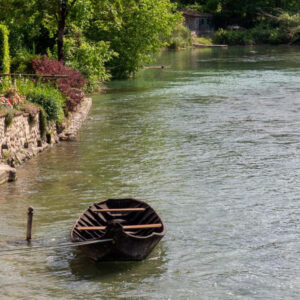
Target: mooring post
(29, 223)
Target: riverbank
(24, 139)
(196, 45)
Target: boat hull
(121, 245)
(124, 249)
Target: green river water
(212, 144)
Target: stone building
(198, 23)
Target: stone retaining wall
(22, 139)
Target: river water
(213, 145)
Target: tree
(29, 20)
(56, 16)
(242, 12)
(136, 29)
(289, 23)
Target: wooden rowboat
(127, 229)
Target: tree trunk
(63, 12)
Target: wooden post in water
(29, 223)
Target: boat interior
(136, 217)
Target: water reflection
(151, 268)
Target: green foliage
(89, 58)
(193, 6)
(290, 24)
(232, 37)
(24, 21)
(120, 36)
(6, 156)
(180, 38)
(135, 29)
(203, 40)
(34, 24)
(239, 12)
(51, 100)
(48, 97)
(4, 50)
(258, 35)
(265, 34)
(4, 53)
(22, 62)
(9, 118)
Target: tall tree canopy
(132, 29)
(135, 29)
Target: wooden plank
(142, 226)
(119, 209)
(91, 227)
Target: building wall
(205, 25)
(199, 25)
(192, 23)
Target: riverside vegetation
(87, 42)
(258, 21)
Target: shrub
(89, 58)
(181, 38)
(9, 118)
(203, 40)
(289, 23)
(22, 62)
(45, 95)
(4, 50)
(260, 34)
(71, 87)
(50, 99)
(4, 53)
(232, 37)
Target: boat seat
(140, 226)
(120, 210)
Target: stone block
(7, 173)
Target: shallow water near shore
(212, 144)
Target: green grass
(202, 40)
(181, 38)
